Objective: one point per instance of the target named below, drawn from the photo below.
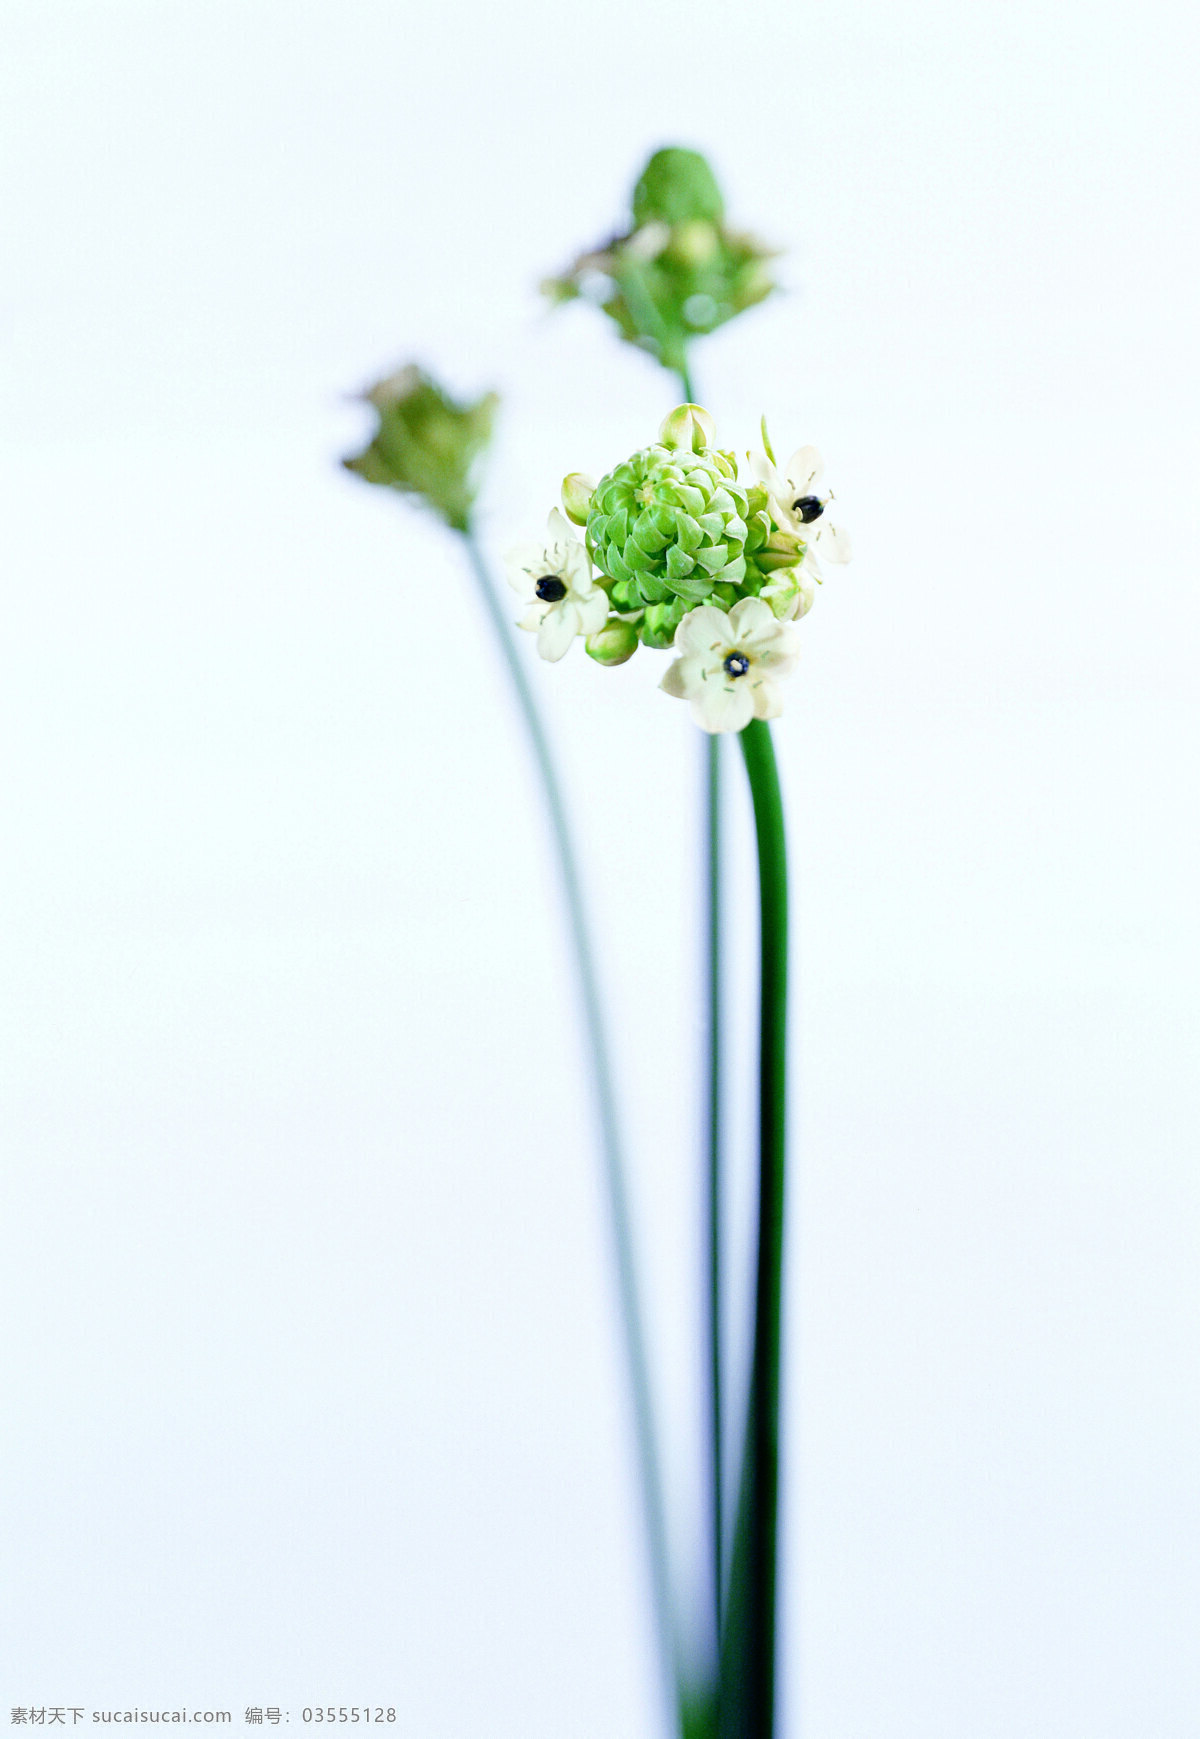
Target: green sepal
(695, 589)
(652, 588)
(679, 563)
(647, 536)
(614, 564)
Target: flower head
(678, 271)
(426, 444)
(686, 556)
(554, 579)
(670, 523)
(730, 665)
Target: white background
(311, 1390)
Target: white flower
(729, 666)
(555, 579)
(798, 505)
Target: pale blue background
(310, 1384)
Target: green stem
(716, 1406)
(759, 754)
(713, 1156)
(748, 1676)
(610, 1139)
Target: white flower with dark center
(554, 579)
(730, 666)
(798, 504)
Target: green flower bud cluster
(426, 444)
(671, 528)
(679, 271)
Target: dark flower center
(809, 507)
(550, 589)
(737, 664)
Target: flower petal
(723, 706)
(804, 471)
(703, 630)
(768, 701)
(832, 542)
(559, 627)
(752, 620)
(673, 682)
(522, 564)
(593, 611)
(686, 676)
(764, 472)
(785, 519)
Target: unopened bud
(577, 496)
(677, 185)
(613, 644)
(661, 621)
(782, 550)
(790, 594)
(689, 427)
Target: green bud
(660, 623)
(613, 644)
(675, 186)
(426, 444)
(689, 427)
(790, 594)
(782, 550)
(577, 491)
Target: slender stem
(610, 1138)
(761, 1467)
(716, 1408)
(714, 1063)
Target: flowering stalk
(714, 1065)
(605, 1097)
(747, 1699)
(427, 447)
(687, 555)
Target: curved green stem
(610, 1138)
(748, 1665)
